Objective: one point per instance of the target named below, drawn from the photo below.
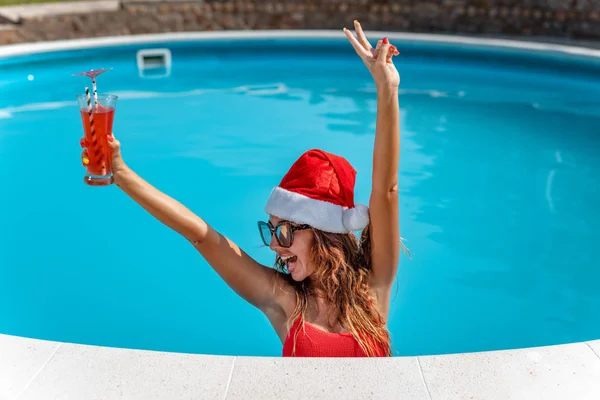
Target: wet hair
(343, 270)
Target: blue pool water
(499, 191)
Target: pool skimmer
(154, 63)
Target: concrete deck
(35, 369)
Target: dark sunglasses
(283, 231)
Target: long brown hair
(343, 269)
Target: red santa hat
(318, 190)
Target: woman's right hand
(117, 163)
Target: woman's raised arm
(383, 204)
(249, 279)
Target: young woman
(329, 293)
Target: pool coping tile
(326, 378)
(93, 372)
(595, 346)
(568, 371)
(21, 359)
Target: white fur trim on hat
(319, 214)
(356, 218)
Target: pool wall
(578, 19)
(34, 369)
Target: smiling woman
(497, 186)
(335, 285)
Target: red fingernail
(110, 139)
(385, 40)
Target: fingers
(392, 52)
(112, 142)
(85, 160)
(360, 50)
(364, 49)
(383, 53)
(362, 39)
(386, 54)
(375, 51)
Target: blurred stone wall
(576, 19)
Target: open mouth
(290, 262)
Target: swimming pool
(499, 189)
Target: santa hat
(318, 190)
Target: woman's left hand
(378, 60)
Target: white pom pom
(356, 218)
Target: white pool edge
(33, 369)
(21, 49)
(38, 369)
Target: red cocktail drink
(97, 119)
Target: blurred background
(549, 20)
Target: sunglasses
(283, 231)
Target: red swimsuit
(315, 342)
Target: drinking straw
(95, 91)
(95, 148)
